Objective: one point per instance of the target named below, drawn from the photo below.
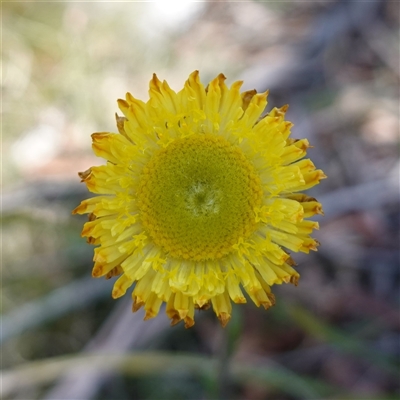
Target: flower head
(199, 199)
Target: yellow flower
(199, 199)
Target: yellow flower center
(197, 197)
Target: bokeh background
(335, 336)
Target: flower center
(197, 197)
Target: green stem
(230, 336)
(223, 378)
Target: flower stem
(229, 337)
(223, 366)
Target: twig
(366, 196)
(305, 71)
(145, 363)
(120, 332)
(33, 192)
(77, 294)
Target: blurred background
(335, 336)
